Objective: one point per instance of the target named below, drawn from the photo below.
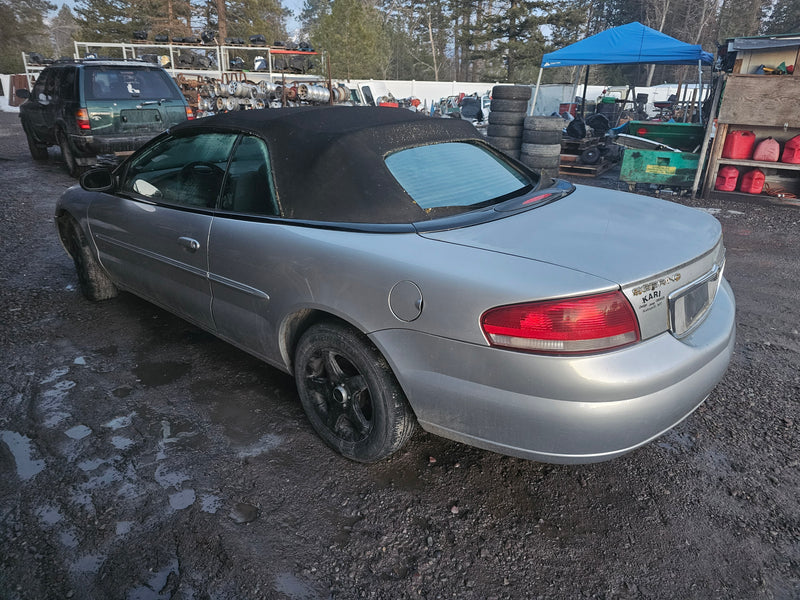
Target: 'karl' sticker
(649, 300)
(649, 295)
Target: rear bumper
(561, 409)
(92, 145)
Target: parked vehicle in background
(98, 107)
(471, 109)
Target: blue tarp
(628, 44)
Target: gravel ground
(141, 458)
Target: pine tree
(784, 17)
(63, 29)
(353, 39)
(22, 29)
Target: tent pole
(700, 90)
(535, 93)
(585, 85)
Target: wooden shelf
(767, 106)
(759, 163)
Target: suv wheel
(38, 150)
(69, 155)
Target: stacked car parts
(215, 96)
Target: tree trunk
(222, 19)
(433, 48)
(651, 68)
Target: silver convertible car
(405, 272)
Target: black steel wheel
(590, 156)
(350, 394)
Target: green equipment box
(676, 169)
(686, 137)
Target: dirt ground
(142, 459)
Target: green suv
(99, 107)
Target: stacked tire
(507, 117)
(541, 144)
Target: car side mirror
(23, 93)
(99, 179)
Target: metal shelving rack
(222, 54)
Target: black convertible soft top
(328, 162)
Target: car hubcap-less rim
(340, 395)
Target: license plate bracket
(688, 305)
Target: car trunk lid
(127, 100)
(130, 117)
(649, 247)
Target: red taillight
(641, 131)
(189, 113)
(82, 119)
(584, 324)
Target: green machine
(661, 167)
(661, 153)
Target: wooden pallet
(575, 146)
(569, 165)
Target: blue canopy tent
(633, 43)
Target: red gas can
(791, 151)
(739, 144)
(752, 182)
(726, 179)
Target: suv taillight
(189, 113)
(82, 119)
(568, 326)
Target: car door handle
(189, 244)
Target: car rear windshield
(121, 83)
(455, 174)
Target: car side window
(43, 88)
(67, 84)
(183, 170)
(248, 187)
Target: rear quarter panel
(351, 274)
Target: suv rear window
(122, 83)
(455, 174)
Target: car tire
(38, 150)
(93, 282)
(537, 123)
(590, 156)
(507, 118)
(503, 143)
(537, 162)
(511, 92)
(503, 105)
(541, 149)
(68, 154)
(349, 393)
(531, 136)
(510, 131)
